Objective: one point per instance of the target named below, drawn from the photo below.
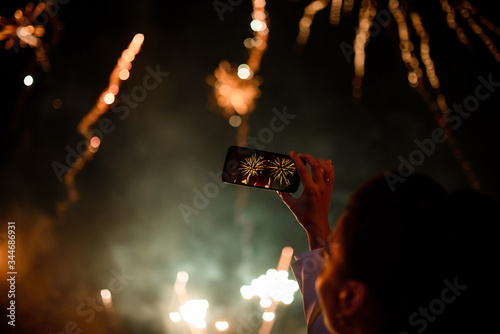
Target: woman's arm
(312, 207)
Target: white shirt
(305, 269)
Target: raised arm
(312, 207)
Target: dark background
(127, 218)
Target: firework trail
(407, 19)
(119, 74)
(236, 89)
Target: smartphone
(255, 168)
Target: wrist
(318, 237)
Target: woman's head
(390, 252)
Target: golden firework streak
(235, 90)
(119, 74)
(235, 93)
(417, 78)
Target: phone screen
(261, 169)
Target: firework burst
(252, 166)
(27, 27)
(22, 28)
(282, 169)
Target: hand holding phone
(312, 208)
(260, 169)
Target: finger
(331, 171)
(316, 169)
(324, 166)
(304, 175)
(286, 198)
(325, 172)
(329, 166)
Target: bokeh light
(249, 43)
(114, 89)
(28, 80)
(182, 276)
(268, 316)
(124, 74)
(57, 103)
(244, 71)
(109, 98)
(138, 40)
(175, 316)
(222, 326)
(258, 25)
(265, 302)
(95, 142)
(194, 312)
(106, 297)
(273, 285)
(235, 121)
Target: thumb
(286, 198)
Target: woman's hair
(409, 244)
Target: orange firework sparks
(236, 89)
(23, 31)
(233, 94)
(366, 15)
(306, 21)
(103, 103)
(468, 12)
(22, 28)
(477, 22)
(417, 78)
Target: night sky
(126, 225)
